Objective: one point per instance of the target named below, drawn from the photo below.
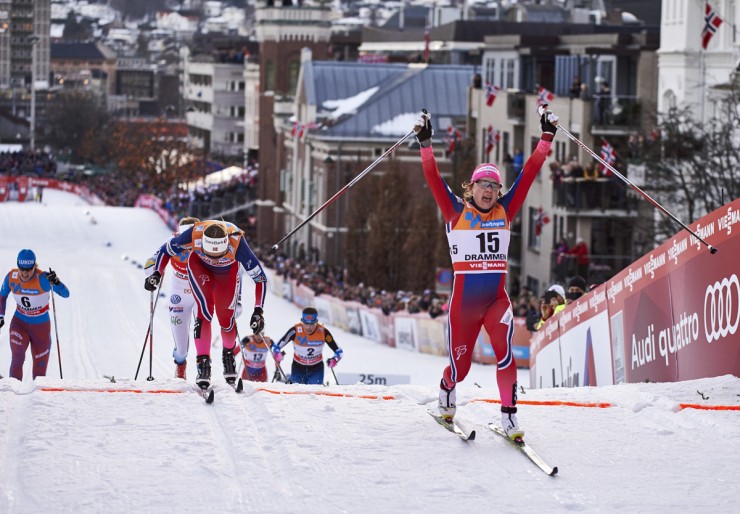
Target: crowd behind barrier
(30, 188)
(670, 316)
(38, 163)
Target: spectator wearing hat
(558, 289)
(30, 325)
(576, 289)
(308, 337)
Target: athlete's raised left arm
(514, 198)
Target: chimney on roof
(401, 16)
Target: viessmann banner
(672, 315)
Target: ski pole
(277, 364)
(646, 196)
(151, 322)
(56, 331)
(342, 191)
(335, 376)
(151, 335)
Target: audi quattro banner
(545, 368)
(681, 320)
(585, 346)
(704, 338)
(640, 298)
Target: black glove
(51, 276)
(257, 321)
(2, 321)
(152, 281)
(423, 129)
(548, 121)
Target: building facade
(214, 97)
(689, 74)
(282, 30)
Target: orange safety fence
(551, 403)
(338, 395)
(137, 391)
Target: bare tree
(77, 122)
(693, 166)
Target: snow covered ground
(93, 450)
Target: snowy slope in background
(92, 451)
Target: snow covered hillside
(154, 446)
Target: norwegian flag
(491, 92)
(711, 24)
(451, 140)
(297, 130)
(608, 155)
(492, 137)
(544, 96)
(541, 219)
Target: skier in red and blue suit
(478, 232)
(216, 248)
(30, 325)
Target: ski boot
(509, 423)
(203, 380)
(229, 365)
(447, 399)
(181, 369)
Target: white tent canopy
(216, 178)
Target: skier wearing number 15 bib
(478, 233)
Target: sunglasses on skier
(487, 184)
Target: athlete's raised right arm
(450, 205)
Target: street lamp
(33, 40)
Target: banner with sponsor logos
(672, 315)
(414, 332)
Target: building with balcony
(213, 93)
(573, 198)
(24, 57)
(89, 66)
(283, 28)
(348, 115)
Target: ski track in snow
(91, 452)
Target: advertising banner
(23, 188)
(672, 315)
(370, 325)
(545, 368)
(353, 317)
(3, 188)
(338, 313)
(431, 335)
(324, 308)
(585, 347)
(406, 333)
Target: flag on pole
(541, 219)
(297, 130)
(491, 92)
(492, 137)
(544, 96)
(711, 24)
(451, 140)
(608, 155)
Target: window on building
(293, 70)
(269, 76)
(533, 239)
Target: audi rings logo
(722, 308)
